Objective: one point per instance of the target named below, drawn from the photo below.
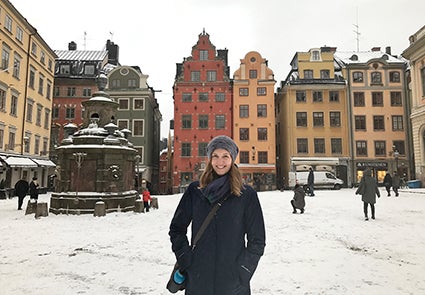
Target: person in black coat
(21, 190)
(368, 188)
(310, 182)
(298, 202)
(226, 256)
(34, 189)
(388, 183)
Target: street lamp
(396, 155)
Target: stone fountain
(95, 163)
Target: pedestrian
(34, 189)
(388, 182)
(298, 202)
(146, 195)
(21, 190)
(227, 254)
(310, 182)
(396, 183)
(368, 188)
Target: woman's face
(221, 161)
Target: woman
(368, 189)
(221, 263)
(298, 202)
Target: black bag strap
(207, 222)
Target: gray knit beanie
(223, 142)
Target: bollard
(138, 206)
(41, 210)
(154, 203)
(31, 207)
(99, 209)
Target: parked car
(322, 179)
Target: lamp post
(396, 155)
(137, 172)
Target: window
(301, 119)
(357, 77)
(56, 91)
(40, 84)
(122, 124)
(336, 146)
(203, 122)
(319, 145)
(11, 144)
(1, 137)
(139, 104)
(360, 123)
(335, 119)
(397, 123)
(138, 127)
(317, 96)
(48, 89)
(244, 157)
(301, 96)
(202, 149)
(89, 70)
(16, 67)
(38, 115)
(116, 83)
(243, 134)
(220, 122)
(43, 57)
(5, 55)
(262, 157)
(244, 111)
(377, 99)
(261, 91)
(261, 133)
(46, 118)
(2, 101)
(253, 74)
(19, 34)
(123, 104)
(395, 98)
(50, 64)
(31, 81)
(395, 77)
(308, 74)
(211, 76)
(378, 123)
(219, 96)
(65, 69)
(399, 146)
(243, 91)
(203, 96)
(186, 149)
(30, 106)
(37, 144)
(262, 110)
(55, 112)
(376, 78)
(359, 100)
(186, 121)
(8, 23)
(34, 48)
(87, 92)
(361, 148)
(131, 83)
(318, 119)
(203, 54)
(71, 91)
(70, 113)
(187, 97)
(302, 145)
(315, 55)
(380, 150)
(14, 106)
(423, 80)
(195, 76)
(325, 74)
(333, 96)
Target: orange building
(254, 122)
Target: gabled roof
(82, 55)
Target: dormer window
(315, 55)
(376, 78)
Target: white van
(322, 179)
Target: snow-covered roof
(359, 57)
(20, 162)
(86, 55)
(45, 163)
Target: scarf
(217, 189)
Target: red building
(202, 94)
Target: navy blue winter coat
(226, 256)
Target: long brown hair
(235, 178)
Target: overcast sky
(155, 35)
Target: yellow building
(26, 85)
(416, 55)
(253, 121)
(311, 116)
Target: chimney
(374, 49)
(388, 50)
(113, 52)
(72, 45)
